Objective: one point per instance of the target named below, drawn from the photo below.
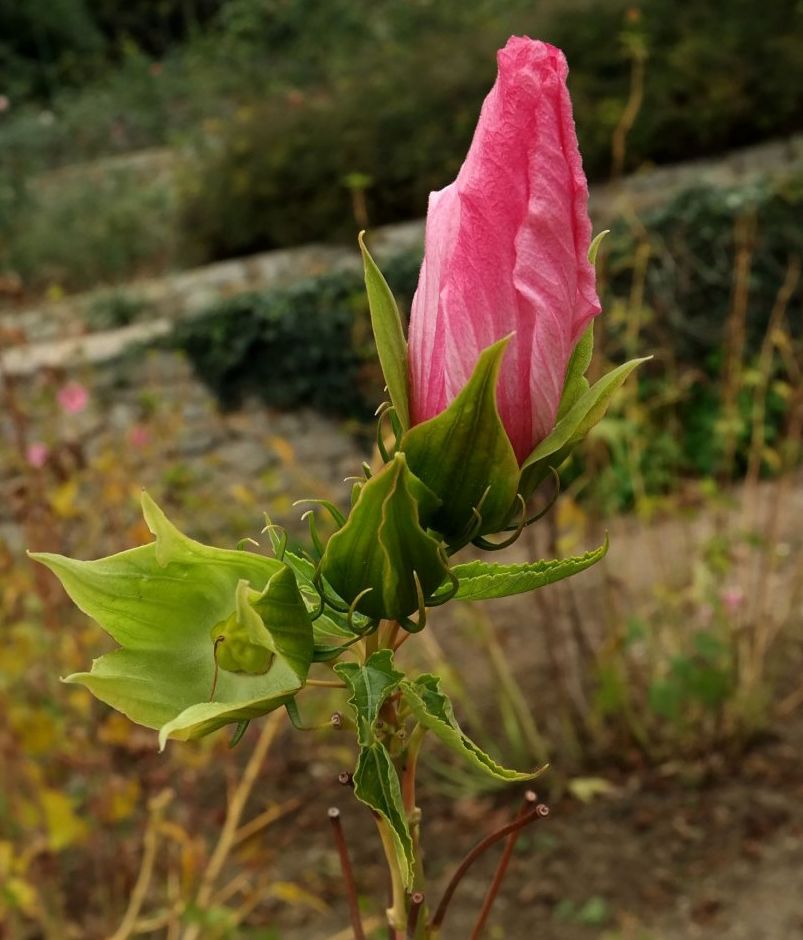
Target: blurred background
(181, 308)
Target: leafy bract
(576, 384)
(166, 603)
(584, 413)
(388, 334)
(464, 455)
(481, 580)
(432, 709)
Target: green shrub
(401, 111)
(79, 230)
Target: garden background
(181, 308)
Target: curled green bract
(206, 636)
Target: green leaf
(481, 580)
(465, 456)
(388, 334)
(593, 248)
(432, 709)
(586, 411)
(376, 783)
(382, 554)
(576, 383)
(370, 686)
(165, 603)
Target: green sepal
(482, 580)
(586, 409)
(388, 335)
(382, 555)
(376, 782)
(464, 455)
(432, 709)
(160, 602)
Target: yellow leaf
(20, 895)
(291, 893)
(63, 825)
(63, 499)
(587, 789)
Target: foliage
(77, 231)
(305, 345)
(294, 116)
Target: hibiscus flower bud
(507, 254)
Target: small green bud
(382, 560)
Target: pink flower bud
(72, 397)
(506, 252)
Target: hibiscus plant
(487, 397)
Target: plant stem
(348, 874)
(397, 912)
(410, 768)
(437, 921)
(416, 904)
(501, 869)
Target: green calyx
(166, 604)
(382, 561)
(465, 457)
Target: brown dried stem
(501, 869)
(348, 874)
(538, 813)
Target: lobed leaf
(432, 709)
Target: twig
(501, 869)
(416, 903)
(237, 801)
(348, 874)
(539, 812)
(150, 842)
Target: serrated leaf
(370, 685)
(376, 784)
(464, 454)
(388, 335)
(163, 603)
(432, 709)
(586, 411)
(481, 580)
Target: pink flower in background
(732, 598)
(36, 454)
(139, 435)
(5, 103)
(506, 252)
(72, 397)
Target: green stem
(397, 912)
